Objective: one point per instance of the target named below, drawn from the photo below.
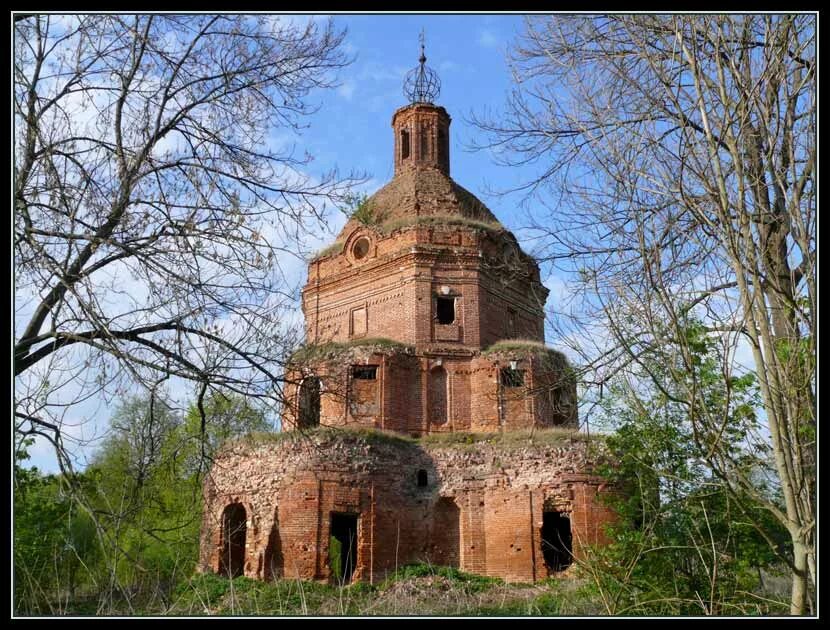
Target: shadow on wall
(273, 559)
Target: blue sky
(353, 127)
(352, 131)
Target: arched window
(438, 407)
(442, 147)
(309, 402)
(404, 144)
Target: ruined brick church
(426, 420)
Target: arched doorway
(438, 407)
(309, 402)
(234, 530)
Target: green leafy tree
(54, 542)
(677, 160)
(213, 419)
(148, 482)
(687, 542)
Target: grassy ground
(414, 590)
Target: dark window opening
(512, 378)
(556, 541)
(442, 149)
(309, 402)
(423, 480)
(365, 372)
(343, 546)
(361, 248)
(424, 145)
(511, 322)
(234, 528)
(445, 310)
(404, 144)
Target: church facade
(426, 419)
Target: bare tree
(154, 203)
(680, 155)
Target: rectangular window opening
(445, 310)
(365, 372)
(404, 144)
(512, 378)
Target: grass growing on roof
(329, 348)
(553, 436)
(518, 345)
(551, 359)
(387, 227)
(439, 219)
(334, 248)
(324, 434)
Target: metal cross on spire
(422, 84)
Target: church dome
(428, 195)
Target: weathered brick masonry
(480, 506)
(424, 317)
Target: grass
(551, 359)
(516, 345)
(415, 589)
(396, 224)
(508, 439)
(522, 346)
(419, 589)
(334, 248)
(366, 218)
(322, 434)
(332, 348)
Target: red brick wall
(396, 286)
(499, 493)
(426, 120)
(404, 394)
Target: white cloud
(487, 39)
(347, 90)
(294, 20)
(448, 66)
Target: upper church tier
(423, 261)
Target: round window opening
(361, 248)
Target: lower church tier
(348, 505)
